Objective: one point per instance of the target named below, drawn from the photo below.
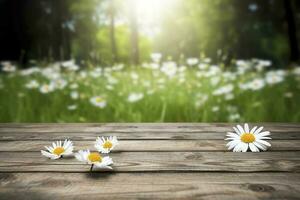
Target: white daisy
(296, 71)
(156, 57)
(244, 139)
(105, 145)
(72, 107)
(59, 83)
(98, 101)
(94, 159)
(8, 67)
(74, 95)
(46, 88)
(224, 90)
(32, 84)
(169, 68)
(256, 84)
(134, 97)
(58, 149)
(273, 78)
(192, 61)
(74, 86)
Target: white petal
(253, 148)
(237, 131)
(47, 154)
(101, 166)
(107, 160)
(245, 147)
(262, 138)
(240, 129)
(258, 130)
(67, 153)
(101, 149)
(246, 128)
(265, 133)
(115, 140)
(264, 142)
(253, 129)
(68, 144)
(234, 135)
(260, 146)
(69, 149)
(49, 149)
(232, 144)
(237, 148)
(80, 157)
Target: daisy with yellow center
(94, 159)
(105, 145)
(58, 149)
(244, 138)
(98, 101)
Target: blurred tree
(225, 29)
(292, 31)
(100, 32)
(114, 50)
(11, 30)
(134, 33)
(85, 27)
(37, 30)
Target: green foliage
(229, 25)
(208, 94)
(122, 35)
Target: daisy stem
(91, 169)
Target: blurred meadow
(149, 61)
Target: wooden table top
(152, 161)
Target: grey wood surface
(153, 161)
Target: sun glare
(150, 12)
(152, 9)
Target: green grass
(185, 97)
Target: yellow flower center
(95, 157)
(107, 145)
(248, 137)
(99, 99)
(58, 150)
(46, 88)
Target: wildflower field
(159, 91)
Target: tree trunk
(292, 32)
(134, 34)
(12, 37)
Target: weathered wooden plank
(149, 145)
(88, 136)
(222, 186)
(141, 127)
(160, 161)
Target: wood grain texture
(140, 128)
(80, 136)
(153, 161)
(225, 186)
(149, 145)
(160, 161)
